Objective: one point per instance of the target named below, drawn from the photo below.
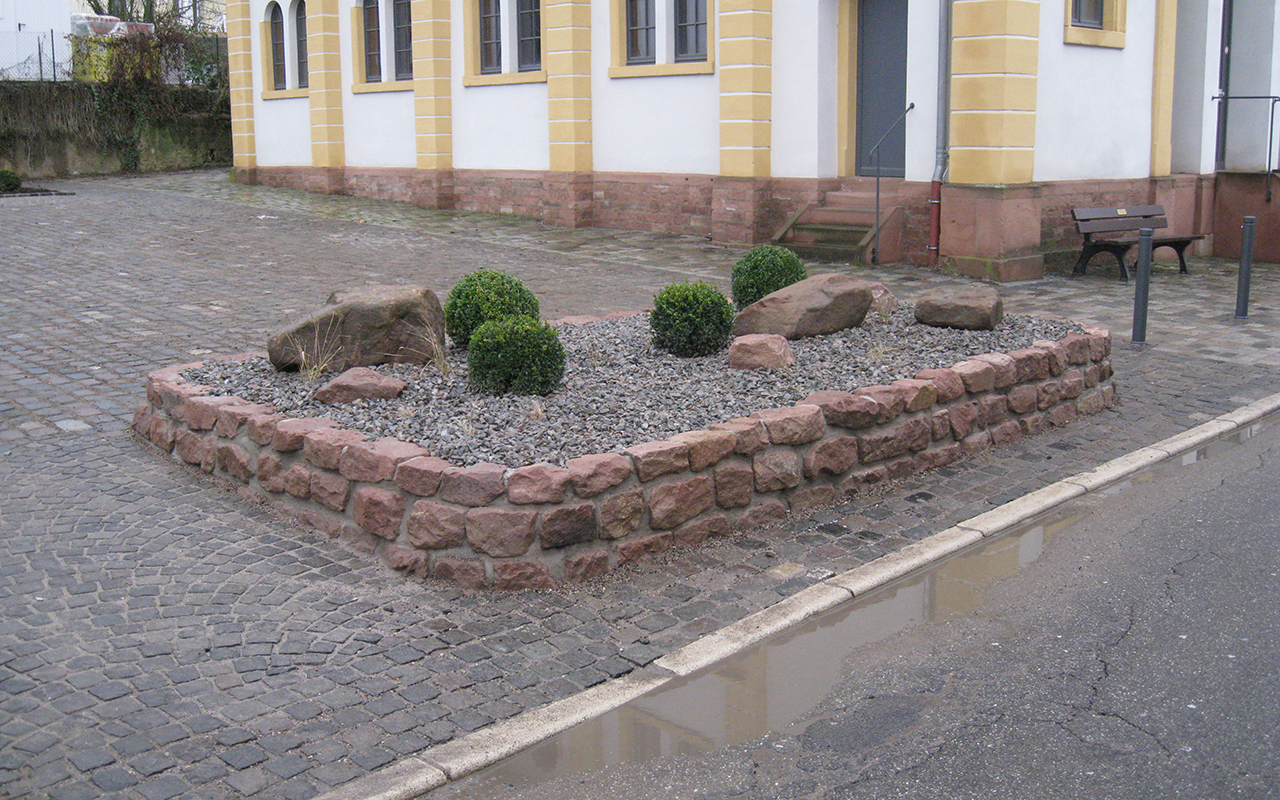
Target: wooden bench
(1090, 221)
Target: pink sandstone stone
(765, 512)
(142, 416)
(654, 459)
(760, 351)
(620, 513)
(964, 418)
(1032, 364)
(421, 475)
(936, 457)
(735, 481)
(323, 447)
(834, 456)
(1078, 348)
(297, 481)
(537, 483)
(913, 433)
(941, 422)
(751, 434)
(462, 572)
(1090, 403)
(845, 410)
(807, 498)
(917, 394)
(1049, 394)
(976, 443)
(270, 472)
(201, 413)
(642, 547)
(161, 433)
(992, 409)
(675, 502)
(889, 401)
(1056, 355)
(232, 459)
(403, 559)
(1023, 398)
(193, 448)
(513, 575)
(359, 383)
(593, 474)
(232, 418)
(376, 461)
(1033, 424)
(477, 485)
(290, 434)
(1006, 370)
(694, 533)
(1005, 433)
(567, 524)
(775, 469)
(585, 566)
(330, 489)
(435, 526)
(378, 511)
(794, 424)
(706, 448)
(978, 376)
(500, 532)
(947, 382)
(261, 428)
(1099, 344)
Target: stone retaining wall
(541, 525)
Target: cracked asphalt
(161, 637)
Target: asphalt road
(1138, 657)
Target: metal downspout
(943, 129)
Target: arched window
(277, 47)
(300, 29)
(372, 43)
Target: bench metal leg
(1124, 270)
(1182, 258)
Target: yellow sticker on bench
(1120, 212)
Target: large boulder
(813, 306)
(364, 327)
(973, 308)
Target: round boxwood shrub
(515, 354)
(691, 319)
(10, 181)
(485, 295)
(765, 269)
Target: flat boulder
(971, 308)
(760, 351)
(813, 306)
(363, 327)
(359, 383)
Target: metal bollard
(1142, 287)
(1246, 267)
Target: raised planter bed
(541, 525)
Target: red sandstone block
(378, 511)
(941, 422)
(978, 376)
(201, 413)
(142, 416)
(538, 483)
(1056, 354)
(170, 396)
(1072, 384)
(694, 533)
(976, 443)
(807, 498)
(1034, 423)
(1032, 364)
(793, 425)
(901, 467)
(676, 502)
(1006, 370)
(947, 382)
(261, 429)
(643, 546)
(500, 532)
(888, 399)
(191, 447)
(845, 410)
(325, 523)
(323, 447)
(1104, 369)
(734, 480)
(1099, 343)
(620, 513)
(585, 566)
(161, 433)
(751, 434)
(593, 474)
(1005, 433)
(1022, 399)
(270, 473)
(765, 512)
(917, 394)
(232, 418)
(856, 480)
(297, 481)
(402, 559)
(476, 485)
(834, 456)
(1048, 394)
(330, 489)
(881, 444)
(435, 526)
(653, 459)
(775, 469)
(290, 434)
(1078, 348)
(992, 409)
(567, 524)
(232, 459)
(515, 575)
(1092, 375)
(936, 457)
(421, 476)
(376, 461)
(1090, 403)
(462, 572)
(706, 448)
(1109, 395)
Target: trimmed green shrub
(485, 295)
(691, 319)
(763, 270)
(10, 181)
(515, 354)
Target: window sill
(505, 78)
(655, 70)
(405, 85)
(284, 94)
(1093, 37)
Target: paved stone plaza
(162, 637)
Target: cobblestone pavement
(162, 637)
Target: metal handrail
(875, 149)
(1271, 129)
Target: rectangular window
(1087, 13)
(528, 35)
(490, 37)
(640, 32)
(372, 43)
(403, 23)
(301, 31)
(691, 30)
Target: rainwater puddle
(770, 686)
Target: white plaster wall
(496, 127)
(654, 124)
(379, 129)
(1195, 81)
(281, 128)
(922, 89)
(1093, 104)
(805, 38)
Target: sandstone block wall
(540, 525)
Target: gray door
(882, 85)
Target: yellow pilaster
(994, 67)
(745, 56)
(1162, 88)
(432, 86)
(566, 56)
(324, 57)
(240, 30)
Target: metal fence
(34, 56)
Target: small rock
(971, 308)
(760, 351)
(883, 303)
(359, 383)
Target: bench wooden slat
(1083, 214)
(1123, 224)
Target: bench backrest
(1112, 220)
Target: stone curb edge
(431, 769)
